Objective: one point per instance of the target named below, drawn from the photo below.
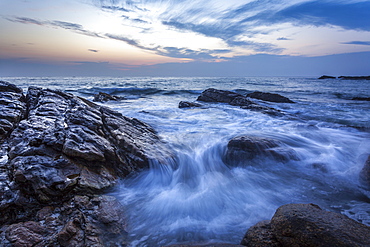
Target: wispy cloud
(93, 50)
(357, 43)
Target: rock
(204, 245)
(354, 77)
(68, 144)
(260, 235)
(235, 99)
(326, 77)
(365, 173)
(242, 149)
(25, 234)
(186, 104)
(103, 97)
(308, 225)
(361, 98)
(271, 97)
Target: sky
(184, 37)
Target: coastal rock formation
(187, 104)
(235, 99)
(354, 77)
(271, 97)
(365, 173)
(62, 152)
(103, 97)
(307, 225)
(326, 77)
(242, 149)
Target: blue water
(197, 197)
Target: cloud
(357, 43)
(92, 50)
(282, 38)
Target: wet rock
(308, 225)
(271, 97)
(204, 245)
(235, 99)
(25, 234)
(327, 77)
(186, 104)
(242, 149)
(103, 97)
(365, 173)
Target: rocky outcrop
(103, 97)
(326, 77)
(361, 98)
(62, 154)
(187, 104)
(242, 149)
(271, 97)
(307, 225)
(365, 173)
(235, 99)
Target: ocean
(199, 198)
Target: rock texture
(242, 149)
(59, 155)
(307, 225)
(235, 99)
(365, 173)
(271, 97)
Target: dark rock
(361, 98)
(186, 104)
(307, 225)
(271, 97)
(260, 235)
(25, 234)
(327, 77)
(215, 95)
(235, 99)
(242, 149)
(365, 173)
(354, 77)
(103, 97)
(204, 245)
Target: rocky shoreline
(60, 155)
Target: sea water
(197, 197)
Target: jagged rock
(242, 149)
(307, 225)
(25, 234)
(204, 245)
(271, 97)
(354, 77)
(365, 173)
(327, 77)
(186, 104)
(235, 99)
(103, 97)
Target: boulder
(307, 225)
(242, 149)
(271, 97)
(365, 173)
(187, 104)
(103, 97)
(327, 77)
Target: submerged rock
(103, 97)
(242, 149)
(271, 97)
(307, 225)
(186, 104)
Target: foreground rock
(235, 99)
(271, 97)
(187, 104)
(243, 149)
(307, 225)
(63, 153)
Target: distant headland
(345, 77)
